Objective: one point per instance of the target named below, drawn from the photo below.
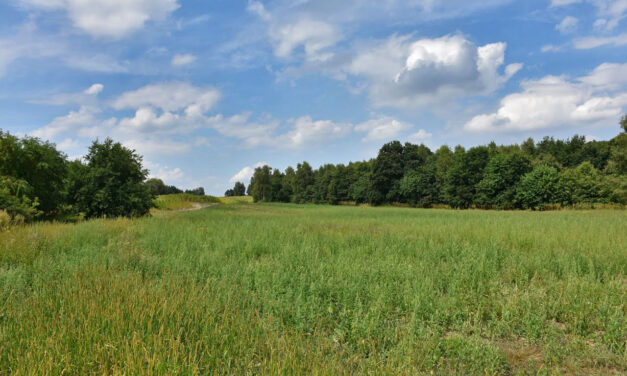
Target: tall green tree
(111, 183)
(39, 164)
(539, 187)
(387, 171)
(500, 179)
(583, 184)
(260, 184)
(464, 175)
(419, 187)
(303, 182)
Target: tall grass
(289, 289)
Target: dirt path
(197, 206)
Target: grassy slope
(286, 289)
(182, 201)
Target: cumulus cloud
(598, 98)
(568, 25)
(246, 173)
(108, 18)
(382, 129)
(318, 26)
(307, 132)
(402, 72)
(168, 116)
(183, 59)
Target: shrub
(5, 220)
(539, 188)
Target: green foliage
(617, 164)
(15, 199)
(419, 188)
(303, 181)
(583, 184)
(157, 187)
(200, 191)
(111, 183)
(540, 187)
(260, 184)
(464, 175)
(500, 180)
(623, 123)
(277, 289)
(39, 165)
(387, 171)
(485, 177)
(5, 220)
(238, 190)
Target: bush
(14, 198)
(539, 188)
(5, 220)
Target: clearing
(305, 289)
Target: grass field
(183, 201)
(288, 289)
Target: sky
(206, 90)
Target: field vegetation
(306, 289)
(183, 201)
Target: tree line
(38, 182)
(532, 175)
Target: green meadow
(280, 289)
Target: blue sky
(207, 90)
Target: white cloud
(405, 73)
(94, 89)
(420, 136)
(170, 97)
(609, 12)
(252, 133)
(596, 99)
(259, 9)
(318, 26)
(108, 18)
(184, 59)
(76, 122)
(552, 48)
(87, 98)
(594, 42)
(167, 117)
(568, 25)
(312, 35)
(246, 173)
(382, 129)
(307, 132)
(155, 146)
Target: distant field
(236, 200)
(183, 201)
(289, 289)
